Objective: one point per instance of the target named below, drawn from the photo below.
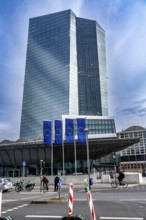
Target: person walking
(45, 182)
(56, 182)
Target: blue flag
(58, 132)
(47, 131)
(81, 125)
(69, 130)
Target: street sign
(60, 184)
(23, 163)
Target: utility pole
(88, 159)
(115, 164)
(41, 169)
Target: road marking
(33, 197)
(43, 216)
(132, 200)
(83, 199)
(9, 200)
(125, 218)
(10, 210)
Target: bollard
(70, 205)
(91, 206)
(70, 198)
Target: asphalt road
(126, 204)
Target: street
(108, 203)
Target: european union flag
(47, 131)
(58, 132)
(81, 125)
(69, 130)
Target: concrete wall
(131, 178)
(105, 178)
(79, 179)
(134, 178)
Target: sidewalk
(97, 185)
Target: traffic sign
(23, 163)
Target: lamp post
(88, 159)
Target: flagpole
(52, 159)
(63, 156)
(88, 159)
(51, 153)
(75, 152)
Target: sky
(124, 22)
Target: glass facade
(50, 87)
(65, 71)
(91, 68)
(98, 127)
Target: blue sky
(125, 24)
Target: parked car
(5, 184)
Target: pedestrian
(45, 182)
(56, 182)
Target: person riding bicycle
(45, 181)
(121, 177)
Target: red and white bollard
(70, 198)
(91, 206)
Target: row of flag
(69, 131)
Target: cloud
(126, 63)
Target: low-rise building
(133, 158)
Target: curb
(51, 200)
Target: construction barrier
(70, 198)
(91, 206)
(3, 218)
(70, 205)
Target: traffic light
(116, 162)
(42, 163)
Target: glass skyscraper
(65, 71)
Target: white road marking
(10, 210)
(125, 218)
(83, 199)
(42, 216)
(132, 200)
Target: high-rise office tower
(65, 71)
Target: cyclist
(121, 177)
(45, 182)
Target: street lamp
(88, 159)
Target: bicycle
(115, 183)
(43, 187)
(22, 185)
